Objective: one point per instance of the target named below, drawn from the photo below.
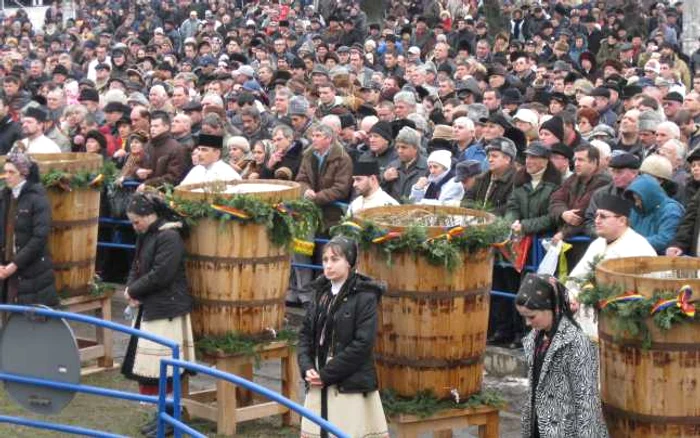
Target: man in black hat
(624, 168)
(35, 141)
(210, 168)
(381, 148)
(365, 182)
(616, 239)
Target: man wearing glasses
(616, 239)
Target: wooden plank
(205, 396)
(290, 387)
(88, 371)
(92, 353)
(196, 409)
(405, 418)
(226, 418)
(261, 410)
(105, 336)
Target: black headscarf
(544, 292)
(144, 204)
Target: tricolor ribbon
(626, 297)
(303, 247)
(233, 212)
(391, 235)
(97, 180)
(682, 301)
(450, 233)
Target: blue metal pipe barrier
(238, 381)
(75, 430)
(49, 313)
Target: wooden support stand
(101, 348)
(220, 405)
(443, 423)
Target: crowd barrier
(161, 401)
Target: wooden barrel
(238, 278)
(74, 221)
(432, 322)
(650, 392)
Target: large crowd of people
(567, 119)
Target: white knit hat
(441, 157)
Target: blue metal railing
(86, 389)
(162, 401)
(236, 380)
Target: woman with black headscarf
(25, 215)
(563, 400)
(335, 347)
(157, 291)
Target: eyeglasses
(603, 216)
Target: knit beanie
(441, 157)
(383, 129)
(555, 125)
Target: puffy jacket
(659, 217)
(531, 206)
(35, 277)
(157, 276)
(354, 333)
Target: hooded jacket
(354, 332)
(659, 217)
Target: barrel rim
(369, 213)
(68, 161)
(606, 267)
(292, 191)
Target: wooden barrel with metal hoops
(650, 391)
(432, 322)
(237, 277)
(74, 220)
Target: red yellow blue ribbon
(450, 233)
(626, 297)
(391, 235)
(682, 301)
(234, 212)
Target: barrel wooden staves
(432, 323)
(74, 221)
(650, 392)
(238, 278)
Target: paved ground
(512, 388)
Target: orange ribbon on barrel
(234, 212)
(626, 297)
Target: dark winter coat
(500, 192)
(531, 206)
(400, 188)
(575, 194)
(10, 132)
(35, 277)
(566, 400)
(686, 237)
(291, 160)
(332, 182)
(354, 332)
(157, 276)
(169, 161)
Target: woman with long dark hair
(563, 400)
(335, 347)
(157, 291)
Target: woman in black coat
(335, 347)
(157, 288)
(25, 212)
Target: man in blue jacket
(655, 215)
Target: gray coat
(567, 400)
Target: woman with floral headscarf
(563, 399)
(25, 212)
